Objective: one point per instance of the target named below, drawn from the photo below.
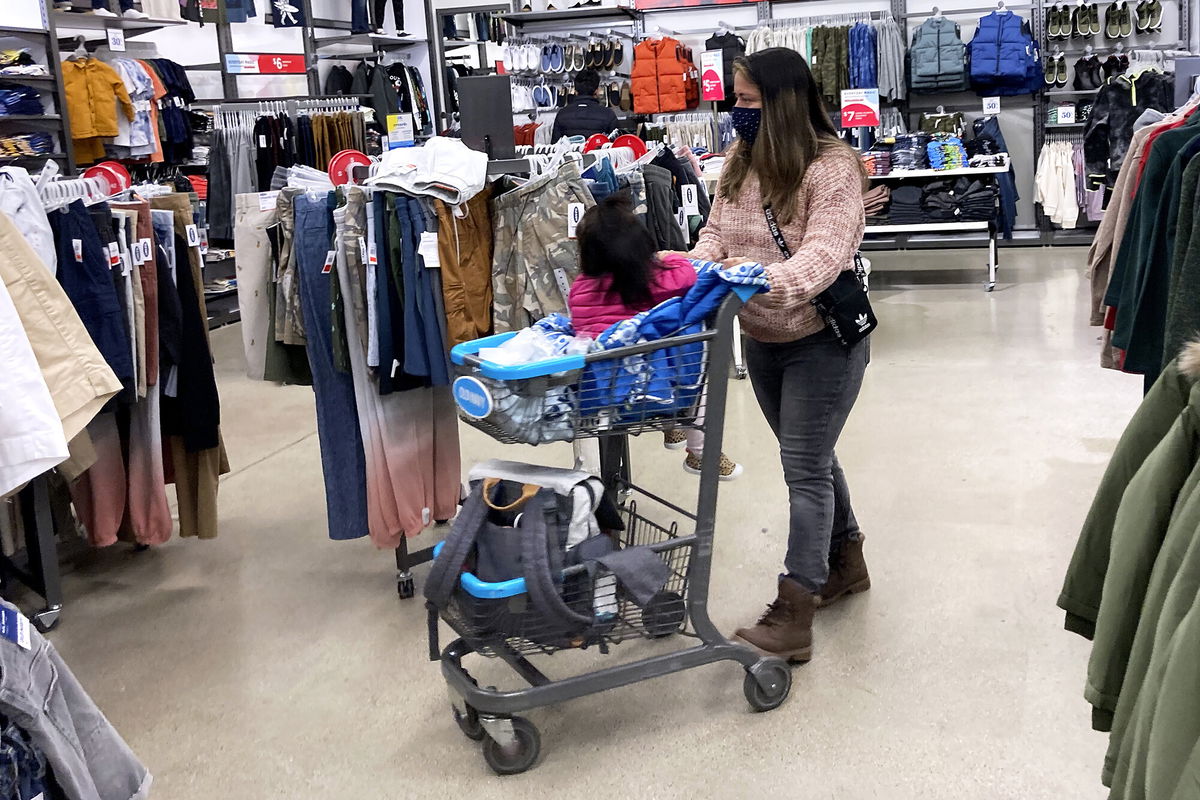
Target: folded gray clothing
(639, 570)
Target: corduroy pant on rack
(342, 458)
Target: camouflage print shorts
(534, 261)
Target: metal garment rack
(59, 122)
(40, 571)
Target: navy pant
(342, 459)
(361, 22)
(88, 282)
(424, 342)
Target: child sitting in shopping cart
(622, 276)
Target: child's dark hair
(612, 241)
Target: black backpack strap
(544, 591)
(445, 570)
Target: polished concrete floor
(274, 663)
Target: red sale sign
(860, 108)
(264, 64)
(712, 75)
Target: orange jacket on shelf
(664, 77)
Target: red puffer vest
(664, 77)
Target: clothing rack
(968, 12)
(38, 569)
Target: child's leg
(695, 435)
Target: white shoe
(133, 13)
(102, 12)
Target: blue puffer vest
(1001, 53)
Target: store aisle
(275, 663)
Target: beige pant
(253, 249)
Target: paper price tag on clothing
(14, 627)
(991, 106)
(691, 202)
(114, 254)
(574, 214)
(147, 249)
(193, 236)
(328, 266)
(262, 141)
(77, 246)
(203, 241)
(266, 200)
(428, 248)
(564, 285)
(372, 255)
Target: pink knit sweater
(823, 236)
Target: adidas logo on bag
(862, 321)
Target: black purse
(844, 306)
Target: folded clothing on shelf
(946, 152)
(26, 144)
(877, 162)
(905, 207)
(16, 57)
(875, 200)
(20, 100)
(960, 200)
(911, 151)
(30, 70)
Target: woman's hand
(730, 263)
(661, 253)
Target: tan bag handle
(528, 490)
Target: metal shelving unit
(53, 83)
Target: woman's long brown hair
(794, 131)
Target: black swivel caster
(406, 587)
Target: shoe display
(102, 12)
(1053, 25)
(1112, 22)
(1125, 20)
(626, 97)
(1094, 19)
(1143, 16)
(847, 572)
(785, 629)
(1061, 70)
(133, 13)
(1155, 10)
(1079, 22)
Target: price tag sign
(116, 40)
(1066, 114)
(266, 200)
(193, 236)
(860, 108)
(204, 241)
(77, 246)
(574, 214)
(14, 627)
(428, 248)
(400, 131)
(712, 75)
(372, 255)
(691, 202)
(114, 254)
(328, 266)
(991, 106)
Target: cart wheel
(779, 680)
(406, 587)
(663, 615)
(468, 723)
(517, 757)
(741, 373)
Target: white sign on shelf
(116, 40)
(991, 106)
(1066, 114)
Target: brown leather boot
(847, 572)
(785, 630)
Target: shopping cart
(592, 395)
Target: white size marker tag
(991, 106)
(1066, 115)
(428, 248)
(564, 284)
(135, 253)
(266, 200)
(77, 246)
(262, 140)
(574, 214)
(328, 267)
(681, 218)
(126, 265)
(362, 249)
(116, 40)
(203, 241)
(691, 200)
(372, 255)
(147, 249)
(193, 236)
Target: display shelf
(30, 80)
(1052, 125)
(34, 118)
(38, 33)
(374, 40)
(1075, 92)
(23, 159)
(66, 20)
(939, 173)
(450, 44)
(216, 295)
(569, 14)
(929, 227)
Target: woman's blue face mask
(745, 122)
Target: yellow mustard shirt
(93, 91)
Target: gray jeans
(90, 759)
(806, 389)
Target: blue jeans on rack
(342, 460)
(806, 390)
(424, 342)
